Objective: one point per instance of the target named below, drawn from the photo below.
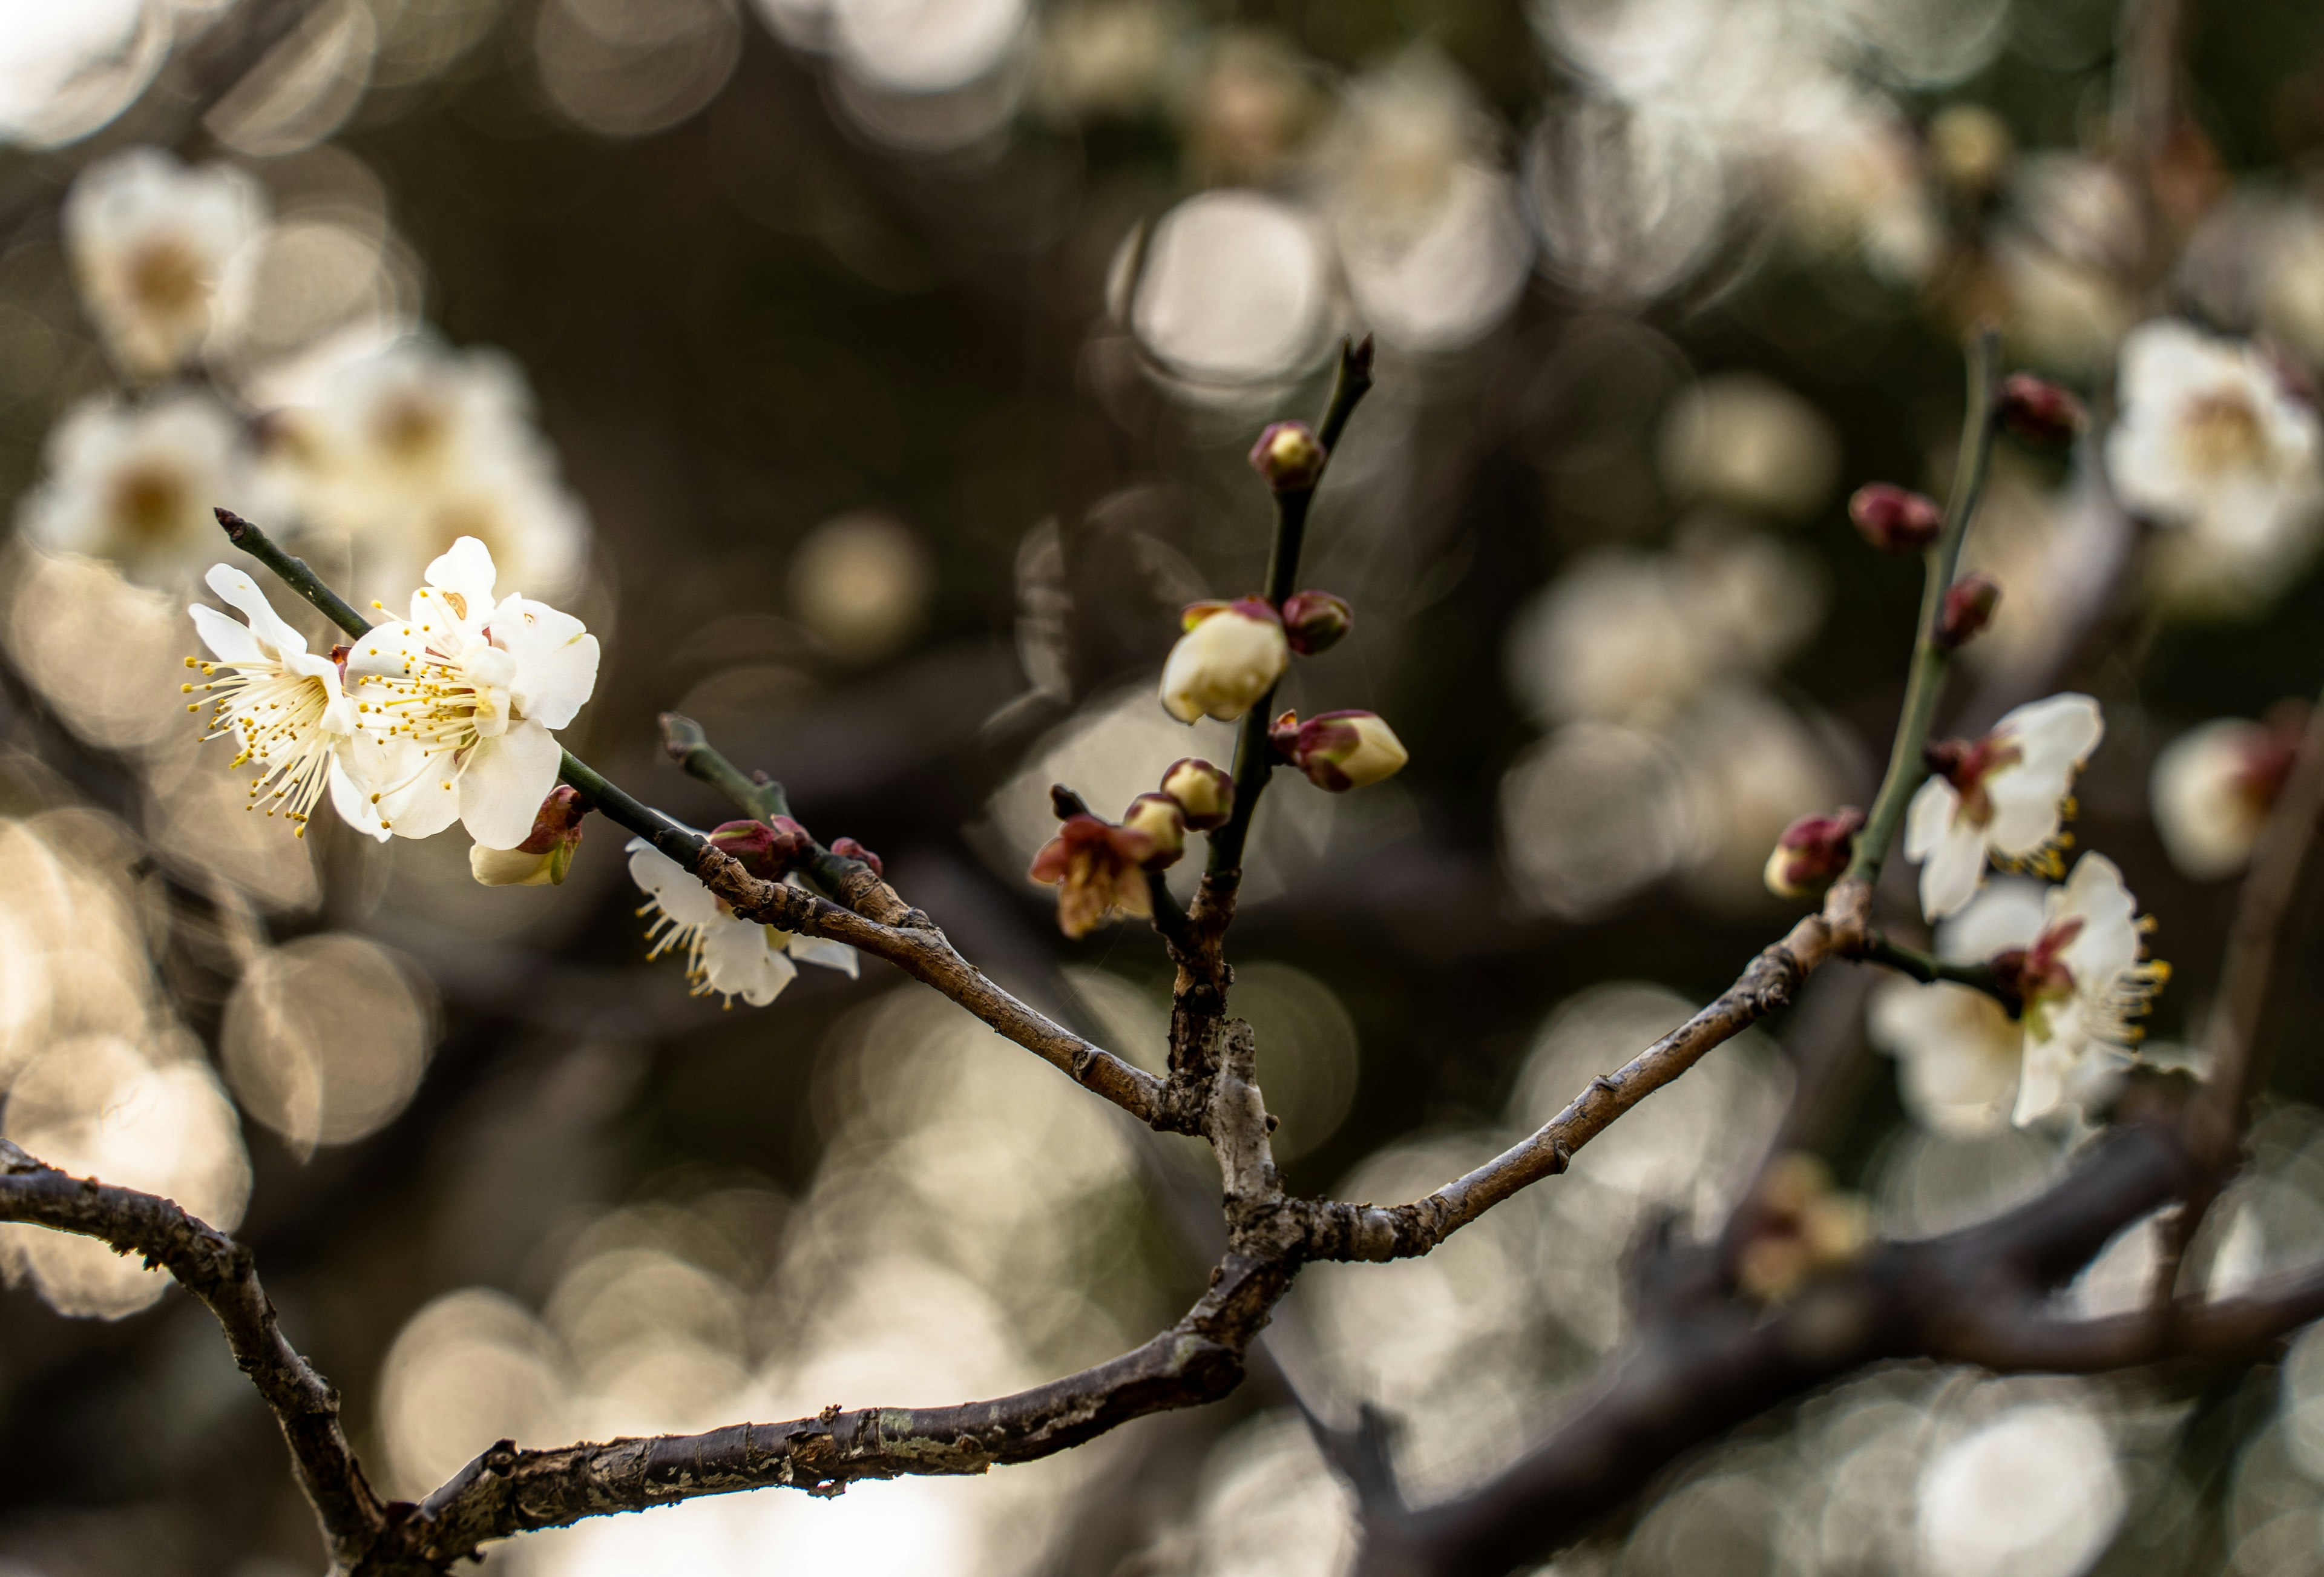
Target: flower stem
(1927, 968)
(1931, 656)
(1254, 757)
(292, 572)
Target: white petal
(352, 800)
(681, 895)
(737, 961)
(828, 952)
(2008, 913)
(239, 592)
(1952, 872)
(2042, 1083)
(1927, 818)
(229, 640)
(2054, 735)
(387, 651)
(556, 660)
(424, 801)
(466, 568)
(2108, 943)
(506, 781)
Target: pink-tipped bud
(1340, 751)
(1204, 793)
(1895, 520)
(1970, 603)
(766, 850)
(2038, 412)
(848, 849)
(1288, 456)
(547, 852)
(1813, 851)
(1315, 621)
(1158, 818)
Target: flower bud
(1288, 456)
(547, 852)
(766, 850)
(848, 849)
(1895, 520)
(1969, 607)
(2038, 412)
(1340, 751)
(1204, 793)
(1813, 850)
(1315, 621)
(1225, 662)
(1158, 818)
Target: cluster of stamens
(275, 717)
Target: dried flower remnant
(477, 685)
(1813, 851)
(2212, 789)
(543, 858)
(1802, 1227)
(2085, 982)
(1895, 520)
(160, 251)
(1204, 793)
(133, 485)
(1340, 751)
(1230, 657)
(289, 710)
(2005, 796)
(1099, 869)
(726, 956)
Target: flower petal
(2108, 943)
(239, 592)
(466, 568)
(506, 780)
(1952, 873)
(737, 961)
(389, 649)
(352, 800)
(828, 952)
(229, 640)
(556, 660)
(1934, 804)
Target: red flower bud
(1315, 621)
(1969, 607)
(848, 849)
(766, 850)
(2038, 412)
(1288, 456)
(1204, 793)
(1893, 518)
(1813, 850)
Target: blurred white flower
(1743, 440)
(2212, 442)
(1957, 1050)
(2085, 985)
(477, 685)
(134, 484)
(1849, 174)
(724, 954)
(286, 707)
(2035, 1492)
(418, 445)
(2211, 790)
(161, 253)
(2006, 796)
(2061, 256)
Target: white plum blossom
(419, 444)
(2211, 790)
(1958, 1051)
(161, 253)
(287, 708)
(724, 954)
(2005, 796)
(2085, 983)
(2212, 442)
(134, 484)
(477, 685)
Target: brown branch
(217, 1270)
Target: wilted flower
(2212, 789)
(1204, 793)
(287, 708)
(725, 955)
(1895, 520)
(2210, 441)
(2084, 983)
(1340, 751)
(1958, 1051)
(544, 857)
(477, 685)
(2006, 796)
(1968, 609)
(160, 251)
(1813, 851)
(1099, 870)
(134, 484)
(1801, 1226)
(1287, 458)
(1315, 621)
(1231, 655)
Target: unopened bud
(1288, 456)
(1813, 851)
(848, 849)
(1970, 603)
(2038, 412)
(1340, 751)
(766, 850)
(1231, 655)
(1895, 520)
(1314, 621)
(681, 736)
(1205, 793)
(1158, 818)
(547, 852)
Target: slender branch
(292, 572)
(219, 1272)
(1930, 657)
(1927, 968)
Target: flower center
(164, 276)
(2222, 432)
(411, 427)
(277, 717)
(1969, 767)
(149, 500)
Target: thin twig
(1927, 968)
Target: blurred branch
(219, 1272)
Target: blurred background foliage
(890, 365)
